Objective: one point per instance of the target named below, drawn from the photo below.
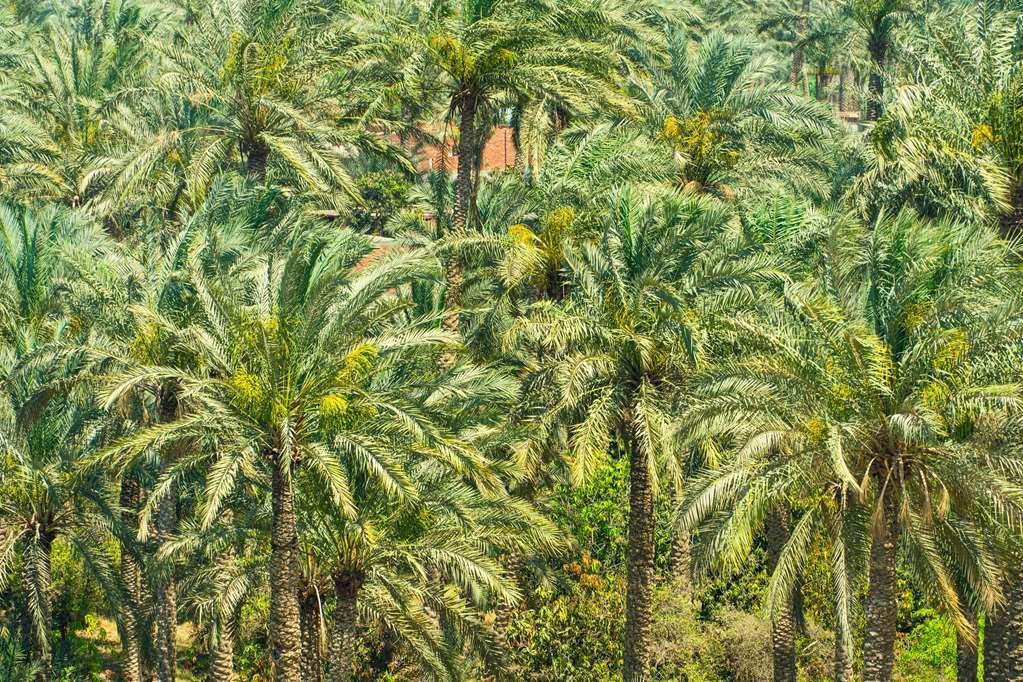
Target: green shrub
(928, 652)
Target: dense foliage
(568, 340)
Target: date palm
(76, 75)
(273, 90)
(48, 431)
(616, 354)
(871, 402)
(294, 354)
(490, 53)
(952, 143)
(424, 569)
(724, 115)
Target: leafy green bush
(928, 652)
(383, 193)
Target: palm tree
(952, 145)
(397, 565)
(876, 388)
(492, 53)
(269, 89)
(76, 76)
(616, 355)
(725, 116)
(291, 353)
(878, 21)
(48, 431)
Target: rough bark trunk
(166, 595)
(166, 527)
(875, 84)
(680, 561)
(1003, 632)
(841, 87)
(843, 654)
(256, 156)
(1011, 220)
(37, 586)
(640, 568)
(966, 650)
(312, 635)
(783, 623)
(285, 628)
(460, 218)
(222, 654)
(881, 605)
(799, 55)
(131, 578)
(343, 626)
(506, 612)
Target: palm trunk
(881, 604)
(966, 650)
(166, 595)
(460, 218)
(285, 627)
(843, 654)
(1011, 220)
(344, 625)
(841, 87)
(1003, 632)
(312, 635)
(875, 84)
(38, 593)
(783, 623)
(466, 162)
(799, 55)
(680, 561)
(131, 578)
(506, 612)
(640, 567)
(222, 654)
(166, 527)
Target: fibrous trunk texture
(640, 568)
(783, 623)
(843, 654)
(222, 653)
(680, 561)
(460, 218)
(285, 627)
(312, 635)
(966, 650)
(1003, 631)
(343, 624)
(881, 604)
(875, 82)
(166, 596)
(166, 588)
(131, 579)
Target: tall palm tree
(616, 355)
(877, 388)
(49, 430)
(78, 73)
(492, 53)
(292, 352)
(397, 563)
(878, 22)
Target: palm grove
(709, 384)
